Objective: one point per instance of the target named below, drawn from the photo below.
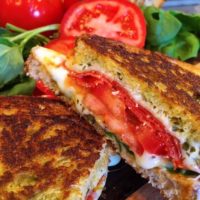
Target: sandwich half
(48, 152)
(147, 104)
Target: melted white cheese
(149, 161)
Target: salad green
(22, 85)
(15, 45)
(173, 33)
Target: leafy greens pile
(15, 45)
(173, 33)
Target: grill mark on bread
(40, 106)
(181, 85)
(15, 151)
(34, 143)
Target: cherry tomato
(69, 3)
(29, 14)
(116, 19)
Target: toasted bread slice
(45, 151)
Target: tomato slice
(116, 19)
(136, 126)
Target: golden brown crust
(20, 105)
(54, 150)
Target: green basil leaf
(11, 63)
(25, 87)
(183, 47)
(162, 26)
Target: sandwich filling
(133, 124)
(96, 94)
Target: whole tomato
(29, 14)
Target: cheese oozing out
(60, 74)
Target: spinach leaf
(121, 146)
(30, 44)
(191, 22)
(11, 63)
(184, 46)
(173, 33)
(15, 45)
(24, 86)
(181, 171)
(5, 32)
(7, 42)
(162, 26)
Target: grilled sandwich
(146, 103)
(47, 152)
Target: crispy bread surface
(166, 84)
(22, 105)
(45, 152)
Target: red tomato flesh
(116, 19)
(136, 126)
(42, 90)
